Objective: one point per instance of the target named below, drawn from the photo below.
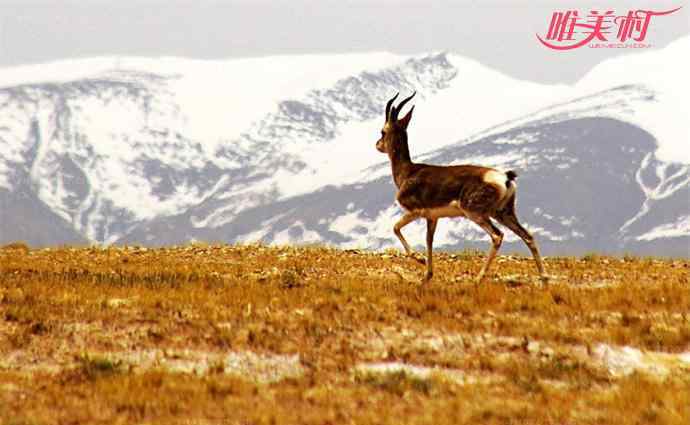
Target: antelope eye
(383, 133)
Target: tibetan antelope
(432, 192)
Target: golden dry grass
(257, 335)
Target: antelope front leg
(430, 229)
(404, 221)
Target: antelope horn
(394, 115)
(388, 105)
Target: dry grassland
(207, 334)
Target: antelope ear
(405, 121)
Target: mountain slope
(574, 183)
(108, 151)
(282, 149)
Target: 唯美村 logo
(599, 29)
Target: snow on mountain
(475, 98)
(576, 191)
(220, 99)
(657, 99)
(140, 138)
(665, 72)
(681, 227)
(167, 150)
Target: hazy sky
(500, 34)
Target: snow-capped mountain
(281, 149)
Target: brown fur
(433, 191)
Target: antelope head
(394, 131)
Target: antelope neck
(400, 161)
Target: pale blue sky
(498, 33)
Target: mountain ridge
(114, 155)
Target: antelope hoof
(418, 259)
(544, 279)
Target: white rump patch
(500, 180)
(496, 177)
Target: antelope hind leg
(510, 221)
(496, 240)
